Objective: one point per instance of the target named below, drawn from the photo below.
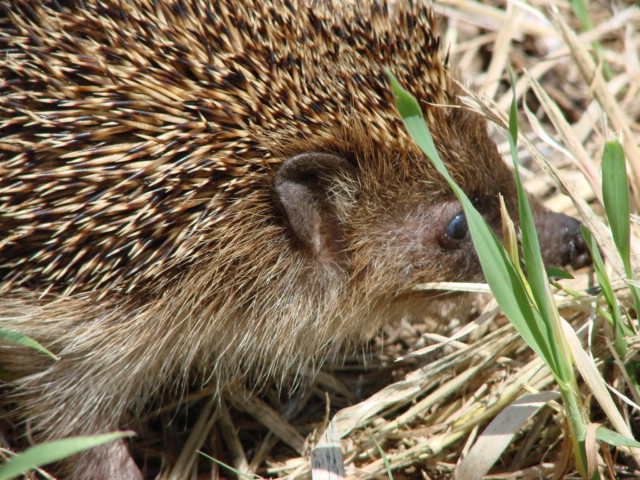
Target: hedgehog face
(402, 234)
(394, 231)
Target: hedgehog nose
(575, 250)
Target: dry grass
(424, 414)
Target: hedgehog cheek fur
(379, 242)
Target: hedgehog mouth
(424, 294)
(433, 291)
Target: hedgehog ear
(301, 184)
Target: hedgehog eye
(457, 228)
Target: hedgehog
(221, 190)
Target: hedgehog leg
(65, 401)
(86, 391)
(107, 462)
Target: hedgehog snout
(561, 241)
(574, 247)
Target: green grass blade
(383, 455)
(500, 273)
(615, 439)
(607, 292)
(561, 359)
(615, 196)
(22, 339)
(581, 11)
(558, 272)
(53, 451)
(238, 473)
(531, 245)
